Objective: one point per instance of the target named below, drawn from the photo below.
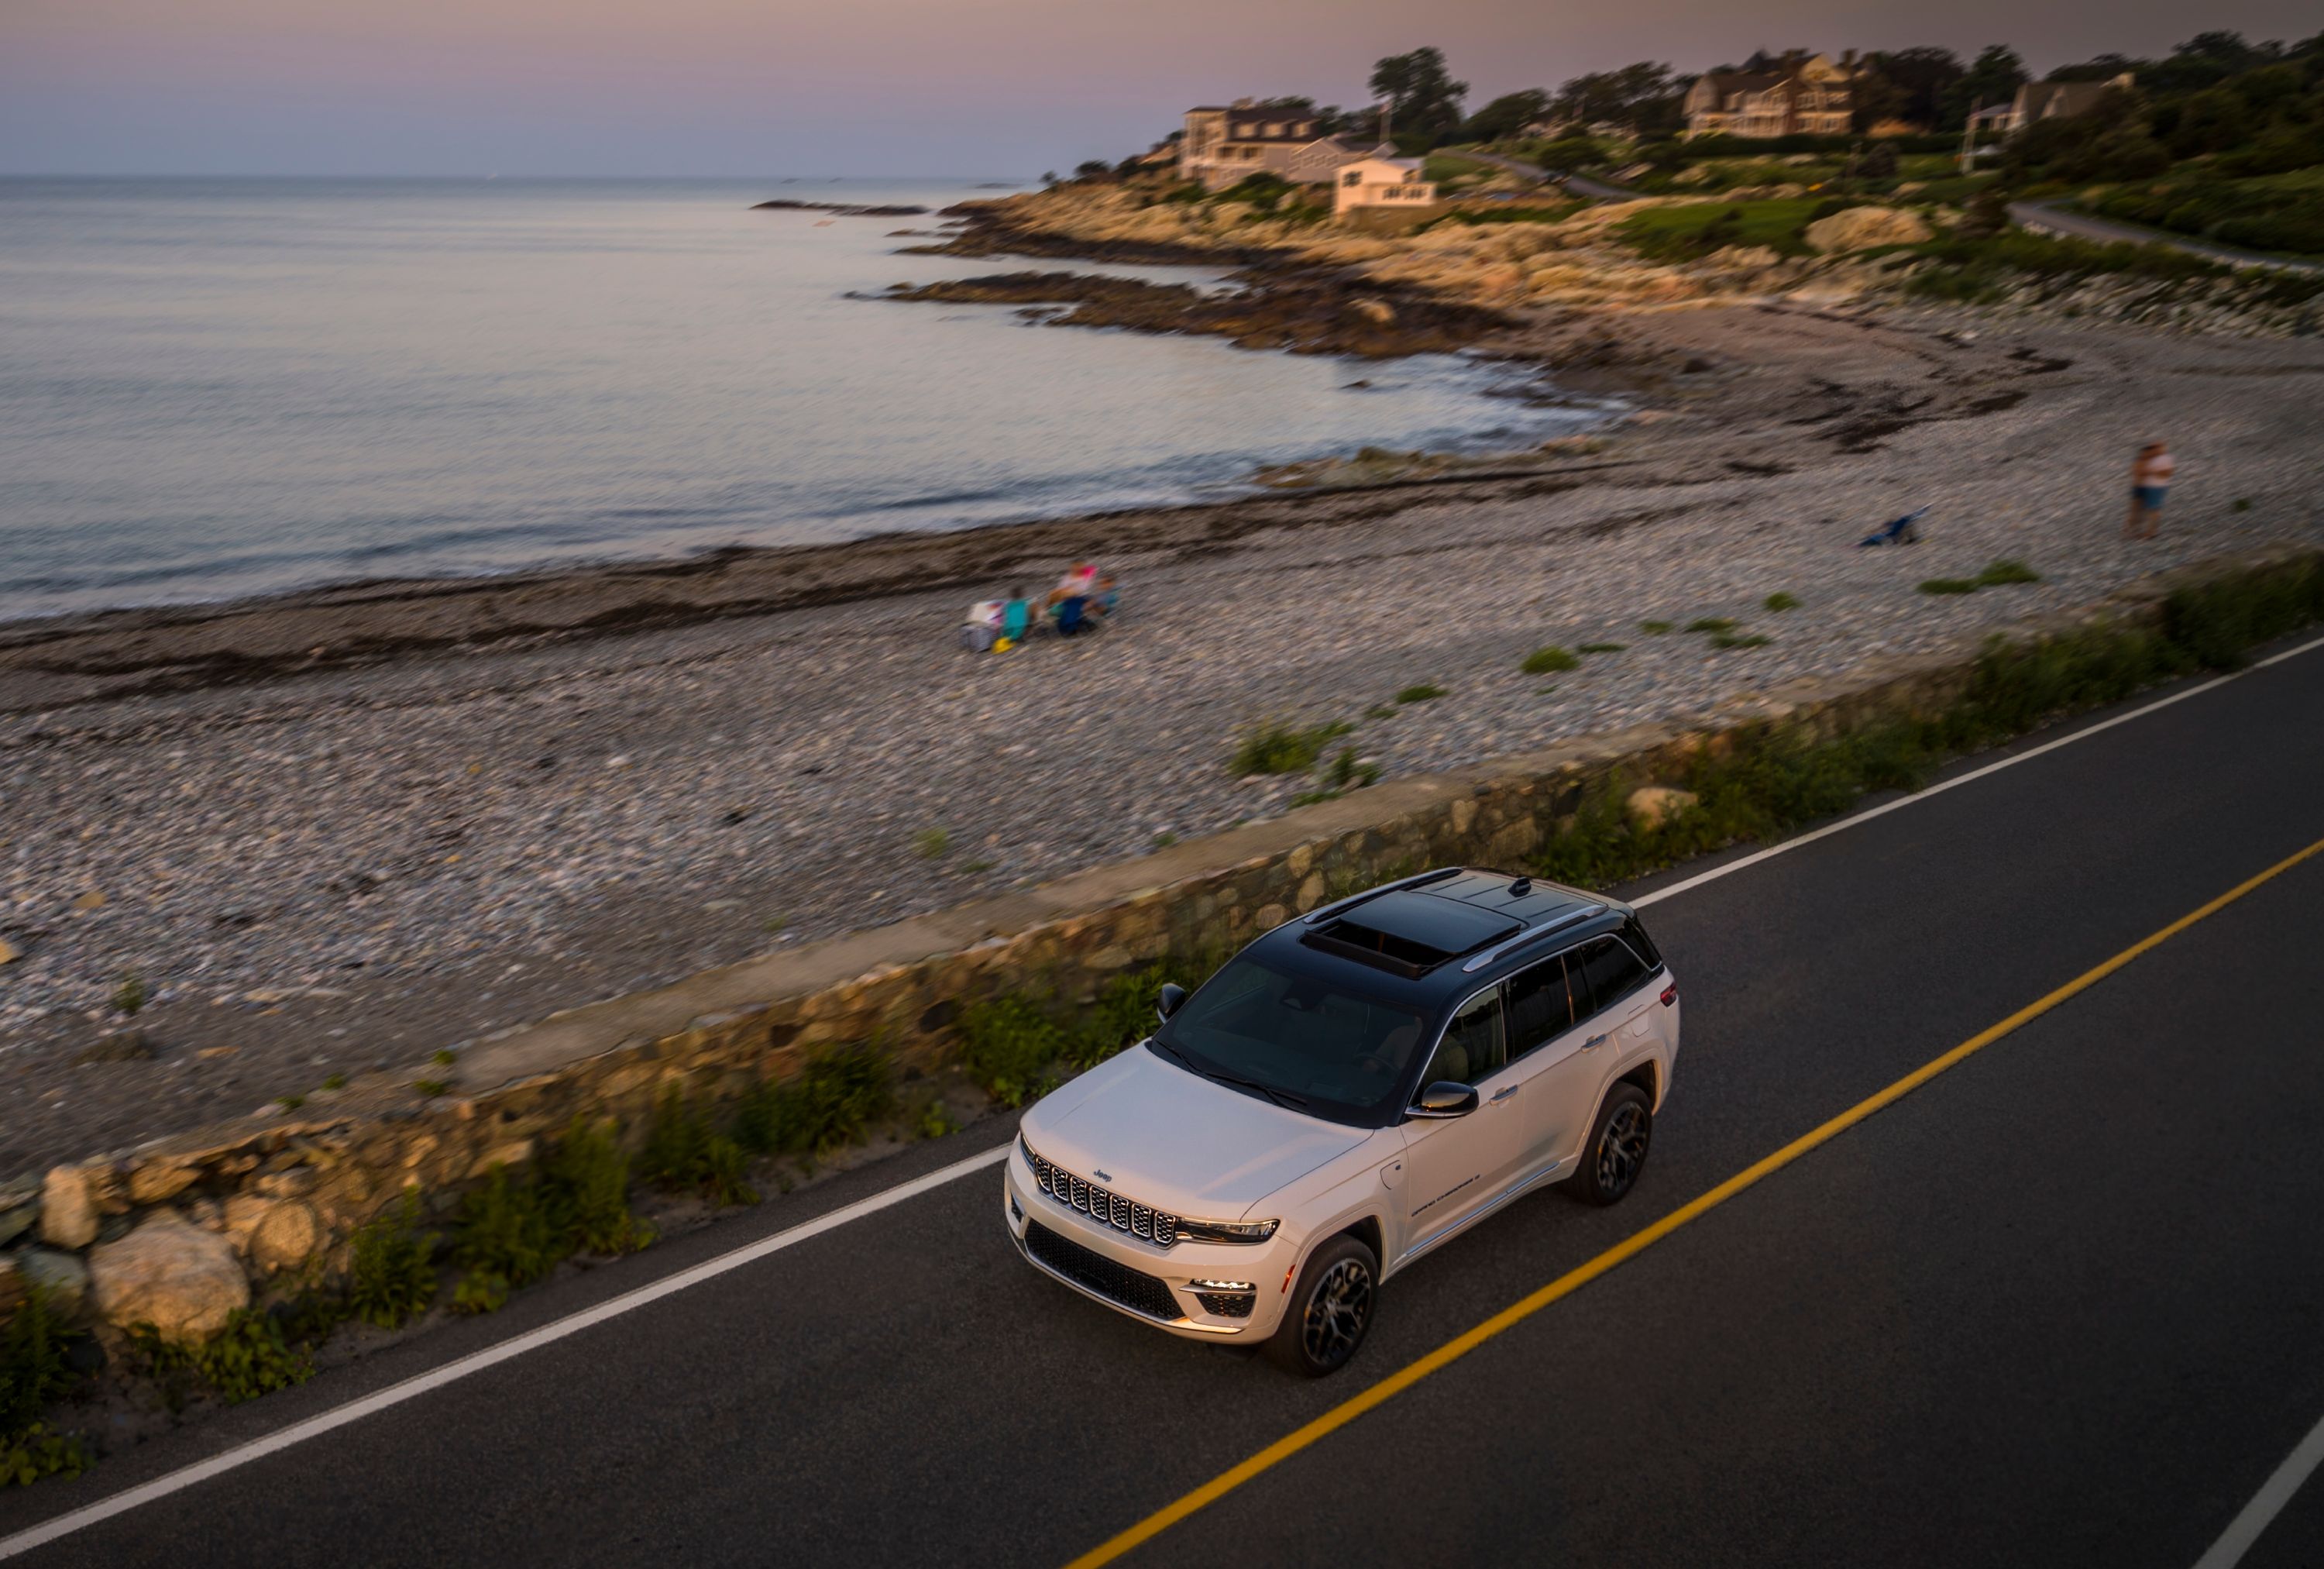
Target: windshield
(1303, 1043)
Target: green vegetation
(1773, 779)
(503, 1240)
(1782, 601)
(1688, 231)
(774, 924)
(335, 1081)
(839, 1092)
(444, 1057)
(932, 844)
(1512, 214)
(935, 1120)
(1548, 658)
(585, 1185)
(1424, 691)
(432, 1088)
(35, 1343)
(129, 997)
(1278, 748)
(250, 1357)
(1602, 648)
(1165, 839)
(684, 1154)
(1654, 628)
(1012, 1045)
(289, 1102)
(390, 1269)
(1711, 623)
(1997, 574)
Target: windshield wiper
(1284, 1098)
(1158, 1044)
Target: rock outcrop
(1860, 228)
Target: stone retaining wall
(180, 1231)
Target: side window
(1540, 1007)
(1612, 971)
(1472, 1047)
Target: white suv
(1350, 1090)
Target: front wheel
(1616, 1150)
(1331, 1309)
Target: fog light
(1220, 1286)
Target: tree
(2101, 67)
(1923, 75)
(1421, 95)
(1092, 169)
(1505, 115)
(1645, 98)
(1994, 78)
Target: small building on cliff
(1224, 146)
(1377, 189)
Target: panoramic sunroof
(1409, 932)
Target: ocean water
(211, 388)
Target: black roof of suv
(1438, 936)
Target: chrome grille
(1101, 1204)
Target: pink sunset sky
(970, 88)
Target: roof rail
(1535, 934)
(1422, 880)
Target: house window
(1352, 177)
(1274, 128)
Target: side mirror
(1446, 1099)
(1173, 995)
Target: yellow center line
(1572, 1280)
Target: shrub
(1739, 640)
(1654, 628)
(585, 1188)
(684, 1154)
(391, 1272)
(1424, 691)
(1782, 601)
(34, 1373)
(1007, 1046)
(839, 1092)
(503, 1239)
(129, 997)
(1602, 648)
(1711, 623)
(931, 844)
(250, 1357)
(2006, 571)
(1547, 658)
(1277, 748)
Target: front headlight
(1226, 1231)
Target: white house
(1376, 182)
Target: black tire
(1616, 1150)
(1331, 1310)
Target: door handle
(1502, 1095)
(1593, 1042)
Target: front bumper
(1267, 1265)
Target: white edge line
(477, 1361)
(2266, 1504)
(613, 1307)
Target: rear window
(1645, 944)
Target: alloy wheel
(1622, 1148)
(1336, 1312)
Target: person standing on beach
(2149, 481)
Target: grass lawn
(1442, 167)
(1697, 228)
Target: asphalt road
(2065, 1305)
(2049, 219)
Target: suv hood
(1177, 1141)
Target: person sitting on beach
(1016, 617)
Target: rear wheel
(1616, 1150)
(1331, 1309)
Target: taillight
(1670, 994)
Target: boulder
(62, 1278)
(1860, 228)
(184, 1281)
(273, 1234)
(68, 1208)
(1651, 805)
